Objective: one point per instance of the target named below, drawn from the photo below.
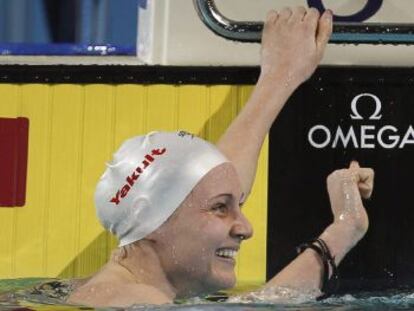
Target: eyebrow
(228, 195)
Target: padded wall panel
(14, 135)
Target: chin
(230, 283)
(223, 280)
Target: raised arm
(293, 43)
(350, 223)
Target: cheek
(198, 236)
(213, 231)
(201, 238)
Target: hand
(366, 181)
(345, 188)
(293, 43)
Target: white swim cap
(148, 178)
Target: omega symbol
(369, 10)
(357, 116)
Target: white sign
(370, 137)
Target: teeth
(226, 253)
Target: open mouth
(227, 253)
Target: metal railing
(343, 33)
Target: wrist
(278, 80)
(283, 74)
(340, 239)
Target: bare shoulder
(103, 294)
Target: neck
(141, 264)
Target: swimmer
(174, 200)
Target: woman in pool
(174, 200)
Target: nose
(242, 228)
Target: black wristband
(332, 285)
(329, 284)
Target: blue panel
(65, 49)
(23, 21)
(16, 20)
(123, 21)
(86, 18)
(36, 29)
(94, 22)
(102, 22)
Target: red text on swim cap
(131, 179)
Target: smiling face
(197, 245)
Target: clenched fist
(345, 188)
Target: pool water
(16, 295)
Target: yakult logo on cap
(363, 136)
(133, 177)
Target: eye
(220, 208)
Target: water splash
(279, 295)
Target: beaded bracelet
(329, 285)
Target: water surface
(17, 295)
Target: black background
(298, 202)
